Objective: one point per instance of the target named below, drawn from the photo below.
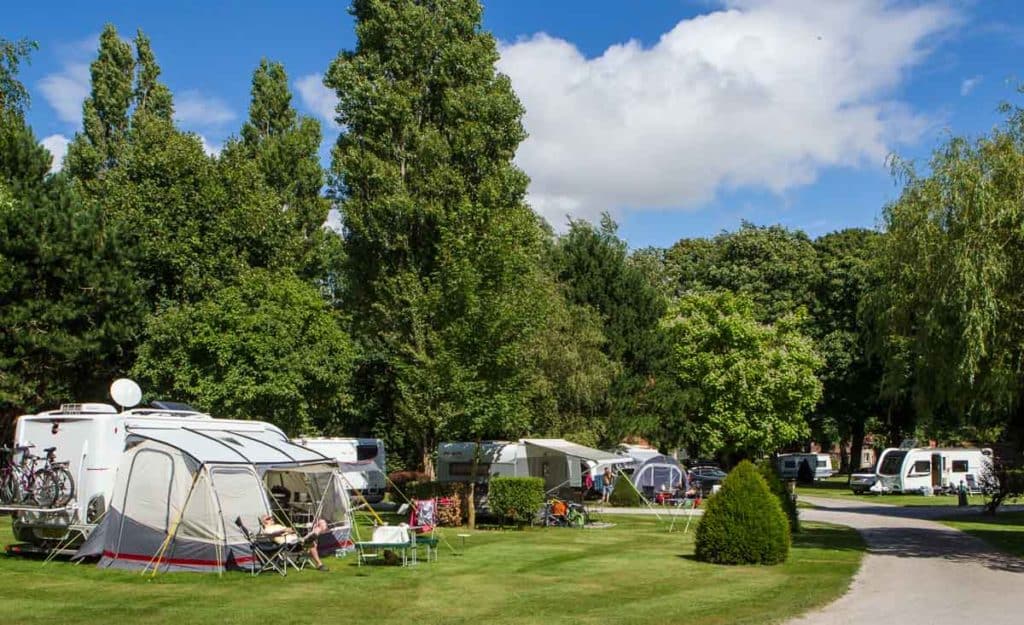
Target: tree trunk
(471, 492)
(844, 456)
(427, 459)
(856, 445)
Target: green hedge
(744, 522)
(770, 473)
(516, 499)
(625, 495)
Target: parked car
(705, 477)
(862, 481)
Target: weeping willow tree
(949, 306)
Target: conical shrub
(743, 523)
(771, 475)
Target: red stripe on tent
(135, 557)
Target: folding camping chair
(973, 488)
(423, 520)
(267, 554)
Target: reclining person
(286, 536)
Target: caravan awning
(572, 449)
(208, 446)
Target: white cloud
(57, 145)
(968, 85)
(195, 109)
(210, 148)
(762, 94)
(317, 98)
(65, 90)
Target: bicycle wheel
(9, 491)
(66, 485)
(45, 488)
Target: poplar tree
(443, 255)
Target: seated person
(285, 535)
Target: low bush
(744, 522)
(516, 499)
(625, 495)
(770, 473)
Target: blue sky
(680, 117)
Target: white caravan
(91, 439)
(561, 463)
(927, 469)
(364, 464)
(789, 465)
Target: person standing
(607, 481)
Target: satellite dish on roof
(125, 393)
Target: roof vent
(87, 409)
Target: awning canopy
(564, 447)
(211, 446)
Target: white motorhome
(789, 465)
(364, 464)
(91, 438)
(561, 463)
(927, 469)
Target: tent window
(240, 494)
(959, 466)
(147, 498)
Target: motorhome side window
(465, 469)
(366, 452)
(959, 466)
(821, 464)
(921, 466)
(791, 464)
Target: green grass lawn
(1004, 531)
(836, 488)
(634, 572)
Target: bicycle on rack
(23, 483)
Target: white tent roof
(227, 447)
(572, 449)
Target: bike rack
(29, 508)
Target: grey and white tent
(659, 473)
(179, 491)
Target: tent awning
(564, 447)
(209, 446)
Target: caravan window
(959, 466)
(921, 466)
(790, 464)
(822, 464)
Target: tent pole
(173, 530)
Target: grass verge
(1004, 531)
(633, 573)
(836, 488)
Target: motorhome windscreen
(366, 452)
(892, 463)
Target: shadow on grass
(943, 543)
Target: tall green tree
(775, 267)
(151, 96)
(105, 113)
(443, 272)
(950, 304)
(852, 380)
(69, 304)
(749, 386)
(595, 266)
(14, 98)
(267, 347)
